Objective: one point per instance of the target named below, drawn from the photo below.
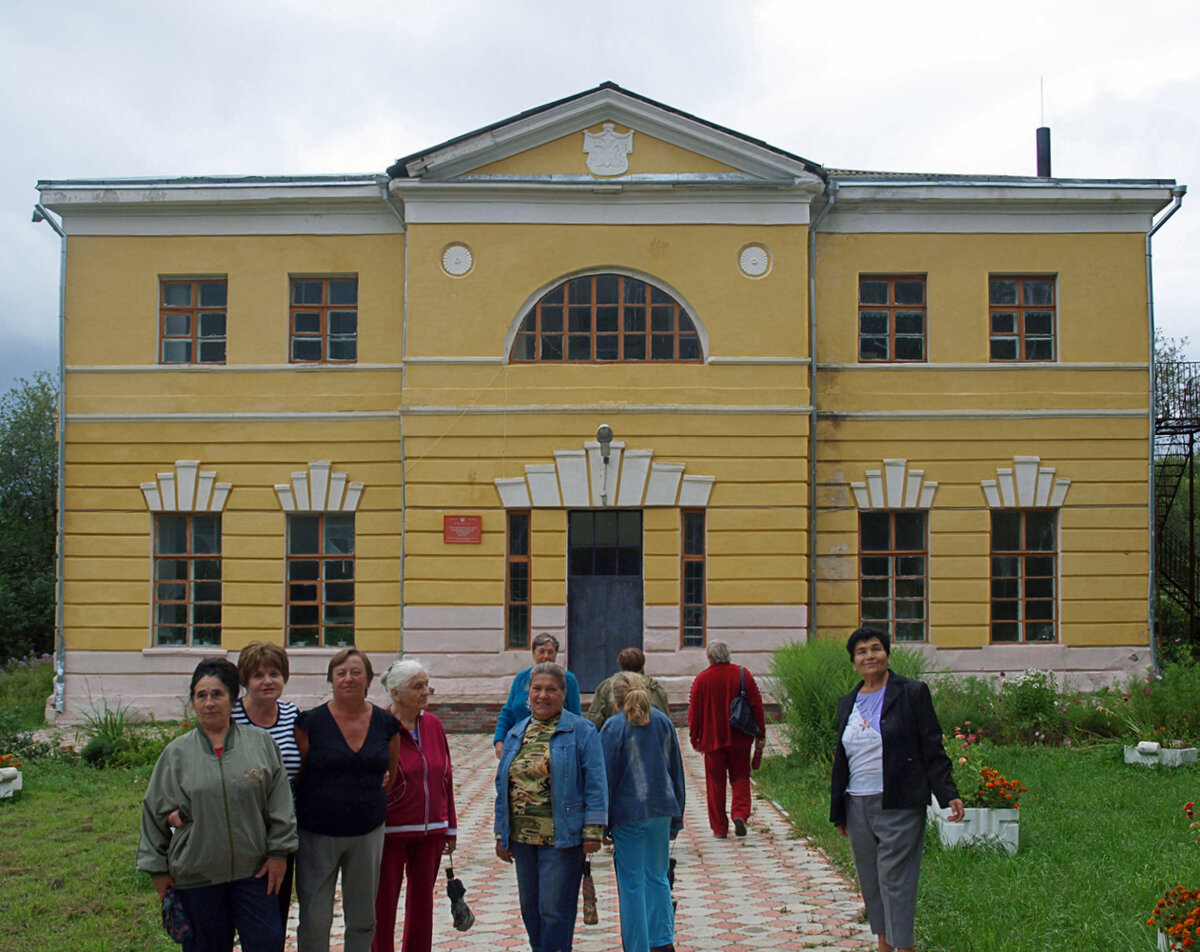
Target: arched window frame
(533, 299)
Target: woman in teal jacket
(551, 807)
(227, 784)
(516, 708)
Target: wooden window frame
(1022, 599)
(1021, 312)
(323, 335)
(295, 579)
(190, 561)
(556, 307)
(196, 314)
(893, 578)
(892, 309)
(513, 559)
(687, 559)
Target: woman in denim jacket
(551, 807)
(645, 809)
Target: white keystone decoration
(316, 489)
(894, 487)
(581, 479)
(186, 489)
(1028, 485)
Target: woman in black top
(348, 749)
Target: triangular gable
(720, 148)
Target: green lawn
(1100, 843)
(67, 846)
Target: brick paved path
(767, 891)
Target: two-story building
(611, 371)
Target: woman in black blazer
(888, 760)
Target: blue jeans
(244, 904)
(548, 884)
(641, 852)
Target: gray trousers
(887, 847)
(317, 864)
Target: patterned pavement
(766, 891)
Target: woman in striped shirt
(263, 671)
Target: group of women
(374, 800)
(232, 810)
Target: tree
(28, 507)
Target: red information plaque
(462, 528)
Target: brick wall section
(479, 716)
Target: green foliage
(1030, 701)
(969, 702)
(66, 861)
(808, 678)
(28, 501)
(116, 740)
(1111, 836)
(25, 683)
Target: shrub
(25, 683)
(808, 678)
(1030, 707)
(115, 740)
(970, 701)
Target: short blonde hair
(630, 695)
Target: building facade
(607, 370)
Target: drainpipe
(40, 213)
(831, 191)
(385, 191)
(1177, 194)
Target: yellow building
(558, 374)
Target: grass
(1100, 844)
(66, 862)
(25, 683)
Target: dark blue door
(604, 590)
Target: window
(187, 579)
(891, 318)
(516, 588)
(691, 572)
(320, 580)
(893, 560)
(191, 321)
(1024, 557)
(606, 318)
(324, 320)
(1021, 311)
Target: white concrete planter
(1152, 754)
(980, 826)
(10, 782)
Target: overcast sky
(129, 88)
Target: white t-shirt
(864, 751)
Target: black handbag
(741, 717)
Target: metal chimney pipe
(1043, 152)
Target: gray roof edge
(854, 177)
(216, 181)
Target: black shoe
(739, 826)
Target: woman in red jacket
(726, 751)
(421, 823)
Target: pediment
(637, 140)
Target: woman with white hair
(421, 823)
(726, 750)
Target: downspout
(40, 213)
(1177, 194)
(831, 191)
(387, 197)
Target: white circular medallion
(457, 260)
(754, 260)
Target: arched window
(606, 318)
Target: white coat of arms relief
(608, 151)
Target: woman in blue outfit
(645, 809)
(516, 708)
(551, 807)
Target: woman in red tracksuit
(421, 823)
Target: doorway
(604, 590)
